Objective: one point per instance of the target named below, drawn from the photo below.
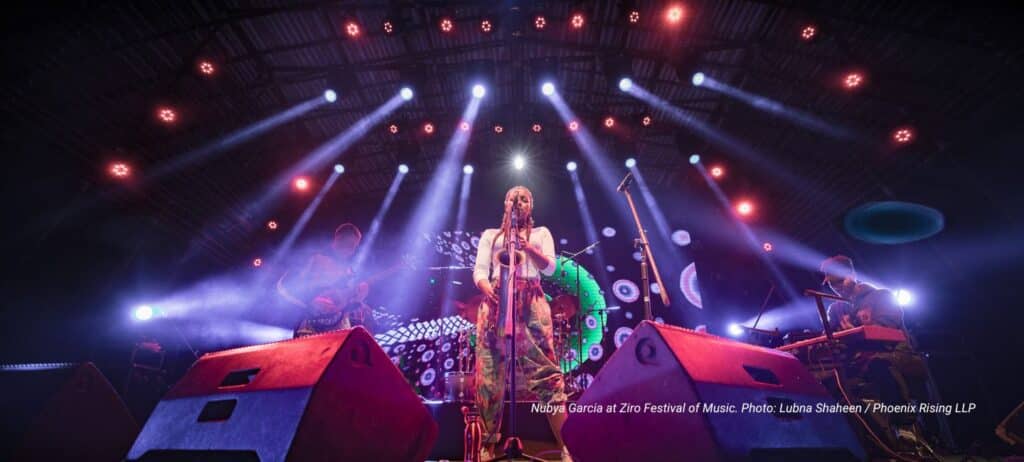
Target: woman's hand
(488, 291)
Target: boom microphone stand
(646, 257)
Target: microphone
(628, 180)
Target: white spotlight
(143, 312)
(735, 330)
(402, 168)
(479, 91)
(571, 166)
(698, 79)
(519, 162)
(904, 297)
(406, 93)
(330, 96)
(630, 163)
(339, 169)
(467, 169)
(694, 159)
(548, 88)
(625, 84)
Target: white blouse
(487, 252)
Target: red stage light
(745, 208)
(853, 80)
(498, 129)
(577, 21)
(537, 128)
(634, 17)
(609, 122)
(389, 28)
(646, 121)
(352, 29)
(258, 262)
(464, 126)
(447, 25)
(206, 67)
(428, 128)
(301, 184)
(120, 170)
(393, 129)
(574, 125)
(271, 225)
(674, 14)
(167, 115)
(767, 246)
(717, 171)
(539, 22)
(485, 26)
(808, 33)
(903, 135)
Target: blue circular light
(698, 79)
(339, 169)
(467, 169)
(330, 96)
(571, 166)
(625, 84)
(694, 159)
(548, 88)
(406, 93)
(479, 91)
(402, 168)
(735, 330)
(630, 163)
(143, 313)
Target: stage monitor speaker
(640, 405)
(1011, 429)
(333, 396)
(62, 412)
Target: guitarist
(327, 289)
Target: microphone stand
(646, 257)
(579, 310)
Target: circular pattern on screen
(427, 356)
(681, 238)
(629, 315)
(595, 352)
(608, 231)
(655, 288)
(688, 284)
(427, 377)
(563, 241)
(585, 380)
(420, 348)
(590, 321)
(449, 363)
(621, 334)
(637, 256)
(591, 301)
(626, 291)
(610, 268)
(446, 347)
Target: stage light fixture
(301, 183)
(393, 129)
(904, 297)
(486, 26)
(272, 225)
(646, 121)
(808, 33)
(428, 128)
(698, 79)
(634, 17)
(745, 208)
(571, 166)
(574, 125)
(674, 14)
(403, 169)
(609, 122)
(330, 96)
(717, 171)
(167, 115)
(464, 126)
(903, 135)
(143, 313)
(339, 169)
(853, 80)
(467, 169)
(389, 27)
(547, 88)
(206, 67)
(352, 29)
(498, 129)
(536, 128)
(694, 159)
(120, 170)
(479, 91)
(577, 21)
(447, 25)
(406, 93)
(625, 84)
(257, 262)
(630, 163)
(735, 330)
(539, 22)
(767, 246)
(518, 162)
